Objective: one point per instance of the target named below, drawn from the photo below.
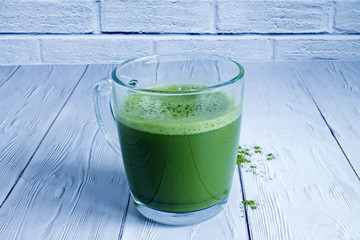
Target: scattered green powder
(257, 149)
(251, 203)
(270, 156)
(241, 159)
(252, 159)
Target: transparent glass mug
(178, 123)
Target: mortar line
(215, 16)
(41, 50)
(273, 41)
(331, 23)
(99, 25)
(105, 33)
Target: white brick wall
(319, 49)
(347, 16)
(110, 31)
(273, 16)
(19, 51)
(93, 50)
(235, 47)
(41, 16)
(158, 16)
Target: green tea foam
(178, 114)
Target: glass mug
(178, 123)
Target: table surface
(60, 179)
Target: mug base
(179, 218)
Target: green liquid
(179, 152)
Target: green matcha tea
(179, 152)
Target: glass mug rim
(203, 190)
(177, 56)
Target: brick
(19, 51)
(347, 16)
(317, 49)
(237, 49)
(239, 16)
(36, 16)
(96, 50)
(158, 16)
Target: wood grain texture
(6, 72)
(314, 193)
(335, 87)
(30, 101)
(228, 224)
(74, 187)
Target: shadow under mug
(175, 120)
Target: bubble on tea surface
(133, 82)
(178, 114)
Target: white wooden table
(59, 179)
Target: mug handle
(105, 114)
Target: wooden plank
(314, 193)
(6, 72)
(74, 187)
(336, 91)
(228, 224)
(30, 101)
